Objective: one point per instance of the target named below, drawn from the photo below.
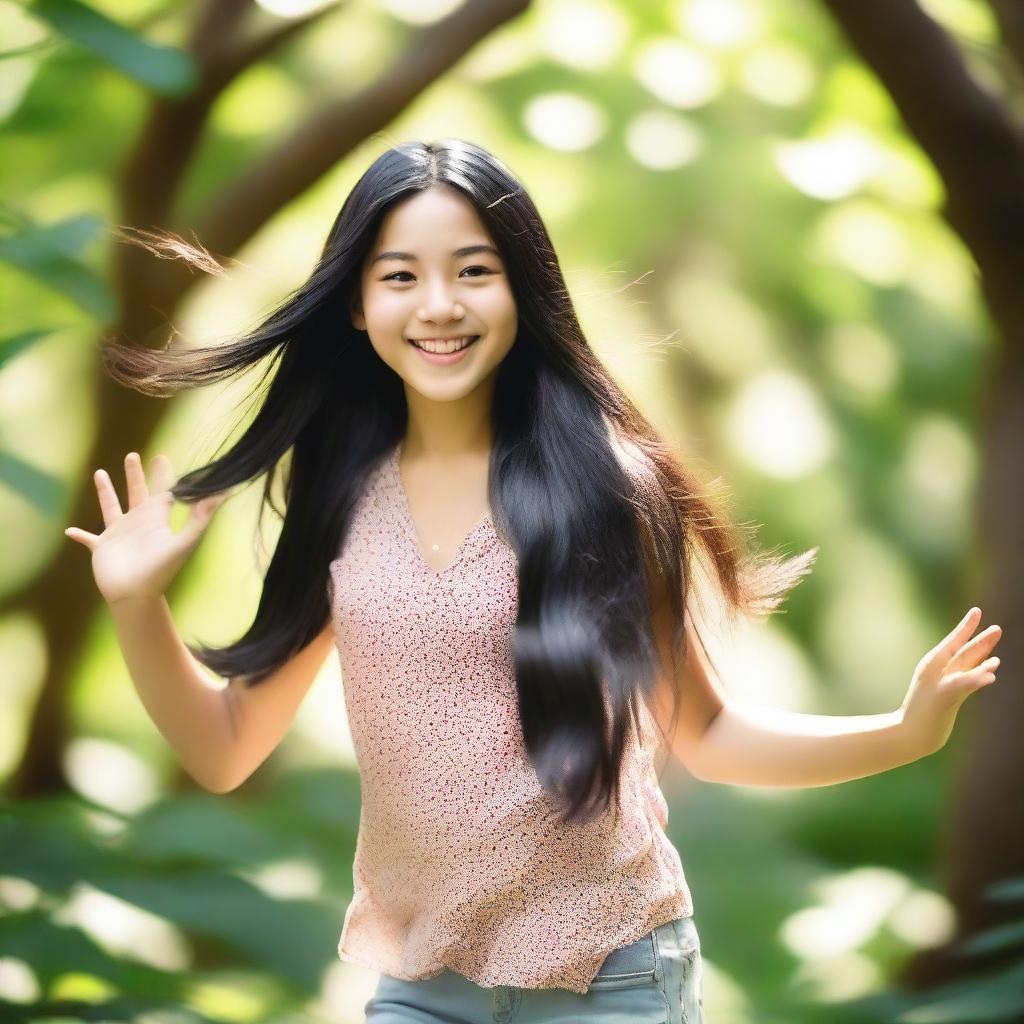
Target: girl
(509, 562)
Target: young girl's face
(435, 273)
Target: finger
(955, 639)
(199, 517)
(135, 476)
(110, 506)
(82, 536)
(161, 473)
(983, 673)
(978, 648)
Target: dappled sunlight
(831, 167)
(904, 178)
(111, 774)
(583, 34)
(507, 53)
(863, 897)
(24, 386)
(18, 893)
(420, 12)
(778, 423)
(662, 140)
(264, 99)
(227, 1001)
(346, 989)
(778, 74)
(854, 907)
(361, 34)
(19, 30)
(566, 121)
(18, 982)
(850, 93)
(836, 978)
(23, 654)
(862, 360)
(720, 24)
(321, 723)
(676, 73)
(923, 919)
(79, 986)
(936, 477)
(718, 323)
(125, 930)
(294, 8)
(943, 275)
(298, 878)
(866, 239)
(871, 629)
(975, 21)
(725, 1000)
(763, 664)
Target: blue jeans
(655, 980)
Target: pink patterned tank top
(460, 862)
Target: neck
(448, 431)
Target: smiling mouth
(444, 347)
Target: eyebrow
(466, 250)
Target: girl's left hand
(943, 680)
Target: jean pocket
(628, 966)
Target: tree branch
(975, 146)
(300, 159)
(152, 174)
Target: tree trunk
(976, 146)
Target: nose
(440, 305)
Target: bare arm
(751, 745)
(720, 739)
(220, 735)
(188, 710)
(757, 746)
(262, 714)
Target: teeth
(442, 346)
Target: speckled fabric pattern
(460, 861)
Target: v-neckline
(405, 513)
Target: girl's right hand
(138, 554)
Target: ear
(355, 310)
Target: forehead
(436, 219)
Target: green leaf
(994, 938)
(294, 939)
(48, 252)
(166, 70)
(198, 829)
(18, 343)
(991, 997)
(42, 489)
(1010, 889)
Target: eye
(394, 275)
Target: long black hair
(594, 504)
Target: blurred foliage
(194, 864)
(755, 249)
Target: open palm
(946, 676)
(138, 554)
